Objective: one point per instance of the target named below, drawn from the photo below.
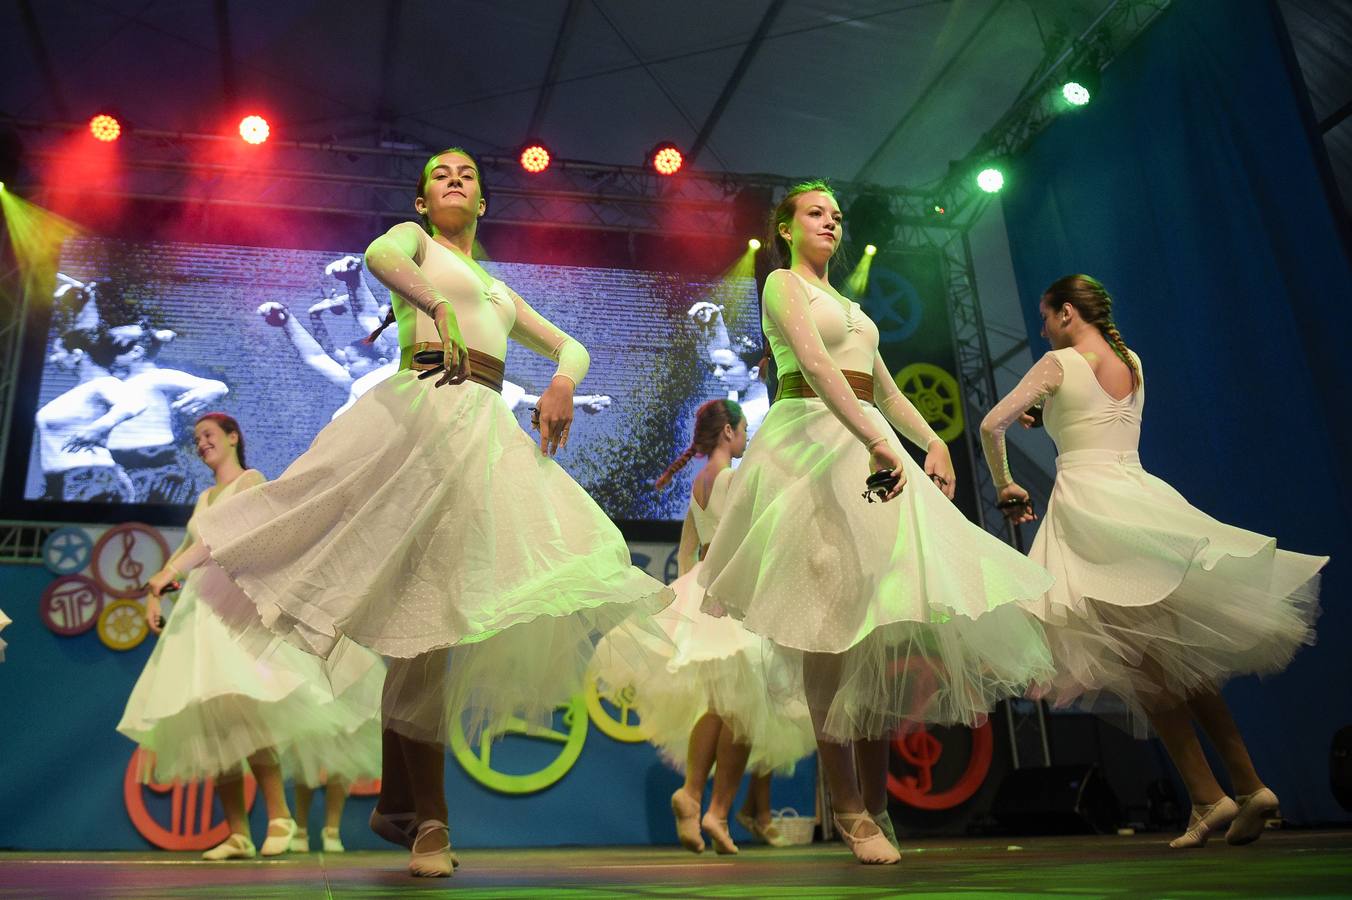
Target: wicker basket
(797, 829)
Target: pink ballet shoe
(333, 841)
(399, 828)
(236, 846)
(1203, 821)
(1254, 811)
(687, 821)
(871, 850)
(431, 863)
(277, 844)
(768, 834)
(718, 830)
(300, 842)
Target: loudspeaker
(1340, 767)
(1057, 800)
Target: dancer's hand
(593, 403)
(1027, 421)
(87, 438)
(159, 581)
(939, 467)
(704, 312)
(884, 459)
(554, 415)
(344, 266)
(274, 313)
(1021, 513)
(455, 361)
(153, 614)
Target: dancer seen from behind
(1155, 602)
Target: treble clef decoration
(128, 566)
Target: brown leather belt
(483, 369)
(793, 386)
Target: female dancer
(1155, 601)
(424, 519)
(715, 693)
(203, 706)
(900, 613)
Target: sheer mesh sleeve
(1040, 383)
(534, 332)
(900, 412)
(786, 303)
(394, 259)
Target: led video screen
(144, 337)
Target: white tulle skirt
(424, 520)
(1154, 599)
(902, 613)
(204, 704)
(708, 664)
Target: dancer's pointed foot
(763, 829)
(300, 843)
(1203, 821)
(280, 833)
(333, 841)
(686, 810)
(1254, 811)
(236, 846)
(717, 829)
(430, 856)
(865, 839)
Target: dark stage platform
(1283, 864)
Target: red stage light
(105, 128)
(667, 159)
(254, 129)
(535, 158)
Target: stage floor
(1282, 864)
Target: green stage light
(753, 245)
(1076, 94)
(869, 249)
(990, 180)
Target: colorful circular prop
(122, 625)
(935, 393)
(479, 763)
(126, 556)
(191, 811)
(625, 727)
(893, 304)
(71, 605)
(67, 550)
(922, 750)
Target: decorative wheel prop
(71, 605)
(624, 725)
(478, 762)
(935, 393)
(67, 550)
(122, 625)
(125, 558)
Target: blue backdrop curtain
(1192, 187)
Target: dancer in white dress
(901, 614)
(1155, 602)
(713, 692)
(203, 706)
(424, 518)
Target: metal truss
(378, 182)
(21, 542)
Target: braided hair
(709, 421)
(1095, 305)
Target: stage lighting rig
(666, 158)
(535, 157)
